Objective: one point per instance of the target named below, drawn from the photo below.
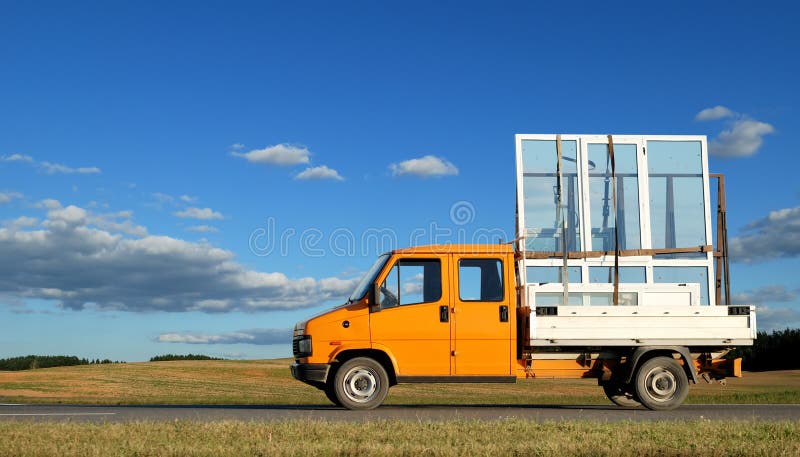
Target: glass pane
(411, 280)
(586, 299)
(542, 275)
(677, 200)
(389, 297)
(684, 275)
(605, 275)
(480, 280)
(557, 299)
(540, 192)
(601, 197)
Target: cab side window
(411, 282)
(480, 279)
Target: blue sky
(149, 149)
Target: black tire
(621, 394)
(331, 394)
(361, 383)
(661, 384)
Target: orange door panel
(410, 323)
(482, 318)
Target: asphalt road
(425, 412)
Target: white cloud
(770, 318)
(743, 137)
(22, 221)
(279, 154)
(188, 198)
(426, 166)
(320, 172)
(198, 213)
(775, 236)
(6, 197)
(72, 260)
(56, 168)
(265, 336)
(17, 158)
(712, 114)
(202, 229)
(765, 294)
(742, 140)
(49, 203)
(49, 167)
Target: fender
(355, 346)
(642, 350)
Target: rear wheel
(361, 383)
(661, 384)
(621, 394)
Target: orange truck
(623, 298)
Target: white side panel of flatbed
(643, 325)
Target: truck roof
(504, 248)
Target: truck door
(413, 322)
(481, 319)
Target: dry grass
(509, 437)
(268, 382)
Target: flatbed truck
(481, 313)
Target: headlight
(301, 346)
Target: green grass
(268, 382)
(407, 438)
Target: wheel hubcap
(360, 384)
(661, 384)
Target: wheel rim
(361, 384)
(661, 384)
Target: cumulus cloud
(49, 167)
(22, 221)
(71, 260)
(743, 137)
(766, 294)
(202, 229)
(188, 198)
(279, 154)
(775, 236)
(263, 336)
(320, 172)
(6, 197)
(426, 166)
(769, 318)
(712, 114)
(198, 213)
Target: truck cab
(441, 313)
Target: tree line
(31, 362)
(770, 351)
(168, 357)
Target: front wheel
(661, 384)
(361, 383)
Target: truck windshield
(368, 278)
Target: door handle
(444, 314)
(503, 313)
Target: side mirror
(374, 297)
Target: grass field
(268, 382)
(501, 438)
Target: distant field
(268, 382)
(410, 438)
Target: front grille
(296, 347)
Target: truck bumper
(315, 374)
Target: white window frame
(584, 209)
